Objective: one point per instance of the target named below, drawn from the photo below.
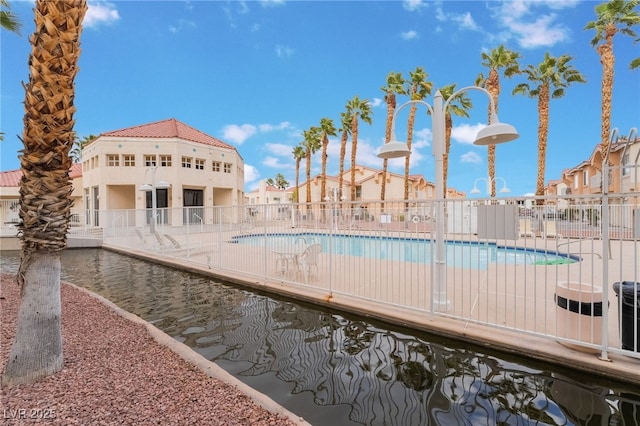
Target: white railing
(531, 269)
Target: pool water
(470, 255)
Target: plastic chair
(309, 259)
(525, 228)
(550, 229)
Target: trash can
(629, 316)
(579, 313)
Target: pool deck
(493, 282)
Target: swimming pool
(467, 254)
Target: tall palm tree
(328, 129)
(547, 81)
(298, 154)
(360, 109)
(395, 85)
(459, 106)
(612, 17)
(311, 145)
(45, 188)
(419, 88)
(507, 60)
(8, 19)
(345, 130)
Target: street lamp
(489, 181)
(153, 187)
(493, 134)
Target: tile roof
(12, 178)
(170, 128)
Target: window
(625, 165)
(186, 162)
(129, 160)
(358, 192)
(149, 160)
(113, 160)
(165, 161)
(576, 181)
(227, 167)
(585, 178)
(199, 164)
(215, 166)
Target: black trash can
(629, 317)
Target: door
(193, 211)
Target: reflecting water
(339, 369)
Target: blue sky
(257, 73)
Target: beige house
(187, 168)
(367, 186)
(278, 200)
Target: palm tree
(8, 19)
(298, 154)
(612, 17)
(45, 188)
(345, 130)
(359, 109)
(548, 81)
(460, 107)
(419, 88)
(78, 145)
(498, 58)
(328, 129)
(311, 145)
(395, 85)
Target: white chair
(550, 229)
(143, 240)
(525, 228)
(309, 259)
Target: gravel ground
(116, 373)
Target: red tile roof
(170, 128)
(12, 177)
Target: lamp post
(153, 187)
(489, 181)
(494, 133)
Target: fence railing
(526, 265)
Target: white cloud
(413, 5)
(376, 102)
(271, 3)
(279, 149)
(533, 28)
(409, 35)
(100, 12)
(466, 133)
(471, 157)
(466, 21)
(238, 134)
(421, 138)
(271, 127)
(273, 162)
(250, 173)
(540, 33)
(283, 51)
(182, 24)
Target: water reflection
(315, 362)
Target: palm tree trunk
(407, 161)
(543, 128)
(607, 59)
(343, 153)
(391, 106)
(323, 186)
(45, 188)
(354, 147)
(308, 176)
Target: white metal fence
(525, 265)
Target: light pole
(494, 133)
(153, 187)
(489, 181)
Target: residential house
(188, 169)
